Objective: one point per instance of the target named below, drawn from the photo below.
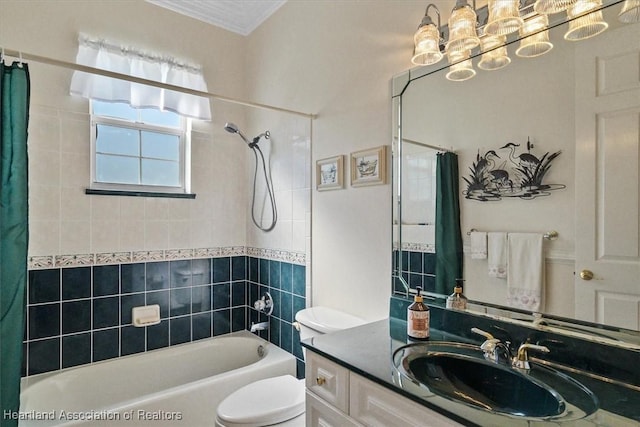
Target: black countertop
(368, 350)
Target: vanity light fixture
(529, 17)
(462, 27)
(461, 68)
(630, 12)
(495, 53)
(504, 17)
(426, 40)
(552, 6)
(537, 43)
(585, 24)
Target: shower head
(233, 128)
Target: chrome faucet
(499, 352)
(494, 349)
(262, 326)
(521, 361)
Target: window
(139, 149)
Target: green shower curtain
(448, 235)
(14, 230)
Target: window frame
(183, 131)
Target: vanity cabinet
(338, 397)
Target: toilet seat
(265, 402)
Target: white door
(608, 178)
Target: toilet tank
(323, 320)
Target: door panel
(608, 178)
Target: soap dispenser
(418, 318)
(457, 300)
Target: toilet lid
(264, 402)
(326, 319)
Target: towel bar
(549, 235)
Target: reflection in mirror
(581, 99)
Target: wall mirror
(581, 100)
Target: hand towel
(497, 254)
(525, 275)
(478, 245)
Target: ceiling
(239, 16)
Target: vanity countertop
(368, 350)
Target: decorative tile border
(40, 262)
(144, 256)
(278, 255)
(417, 247)
(79, 260)
(113, 258)
(74, 260)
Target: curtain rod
(77, 67)
(424, 144)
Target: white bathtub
(174, 386)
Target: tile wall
(82, 314)
(417, 269)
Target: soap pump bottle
(418, 318)
(457, 300)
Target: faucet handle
(522, 358)
(487, 335)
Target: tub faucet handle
(264, 304)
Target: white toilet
(280, 400)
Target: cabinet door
(319, 414)
(327, 380)
(374, 405)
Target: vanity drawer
(320, 413)
(327, 380)
(373, 405)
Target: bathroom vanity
(338, 396)
(353, 379)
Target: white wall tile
(75, 133)
(44, 128)
(75, 237)
(299, 238)
(75, 205)
(201, 233)
(132, 208)
(44, 167)
(105, 235)
(179, 209)
(75, 170)
(156, 234)
(180, 234)
(44, 237)
(132, 234)
(44, 202)
(156, 208)
(284, 203)
(105, 208)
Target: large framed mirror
(577, 107)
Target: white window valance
(134, 62)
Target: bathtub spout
(262, 326)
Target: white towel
(525, 276)
(497, 254)
(478, 245)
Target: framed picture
(330, 173)
(369, 167)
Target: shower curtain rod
(424, 144)
(77, 67)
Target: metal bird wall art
(506, 172)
